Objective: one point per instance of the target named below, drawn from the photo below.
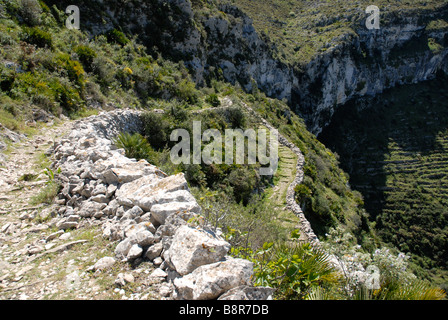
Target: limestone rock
(65, 224)
(248, 293)
(89, 209)
(122, 249)
(111, 208)
(54, 235)
(192, 248)
(158, 274)
(134, 252)
(145, 191)
(210, 281)
(184, 209)
(154, 251)
(101, 198)
(143, 238)
(124, 278)
(104, 263)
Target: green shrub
(105, 70)
(30, 11)
(396, 281)
(38, 37)
(236, 117)
(186, 90)
(135, 146)
(74, 69)
(434, 46)
(302, 192)
(7, 77)
(67, 96)
(194, 175)
(117, 36)
(293, 270)
(86, 56)
(213, 100)
(243, 181)
(156, 130)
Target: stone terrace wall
(305, 226)
(145, 211)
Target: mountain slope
(151, 54)
(395, 149)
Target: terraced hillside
(395, 149)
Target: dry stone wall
(145, 212)
(292, 205)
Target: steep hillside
(177, 61)
(395, 149)
(317, 55)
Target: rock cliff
(223, 42)
(220, 40)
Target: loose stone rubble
(146, 212)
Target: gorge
(341, 95)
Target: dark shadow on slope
(395, 149)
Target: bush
(105, 69)
(213, 100)
(38, 37)
(74, 69)
(117, 37)
(68, 97)
(30, 11)
(302, 192)
(396, 281)
(86, 56)
(156, 130)
(194, 175)
(186, 90)
(7, 77)
(236, 117)
(243, 181)
(293, 270)
(135, 146)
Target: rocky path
(116, 229)
(21, 179)
(38, 261)
(41, 260)
(307, 233)
(285, 176)
(278, 194)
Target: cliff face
(222, 41)
(368, 63)
(364, 63)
